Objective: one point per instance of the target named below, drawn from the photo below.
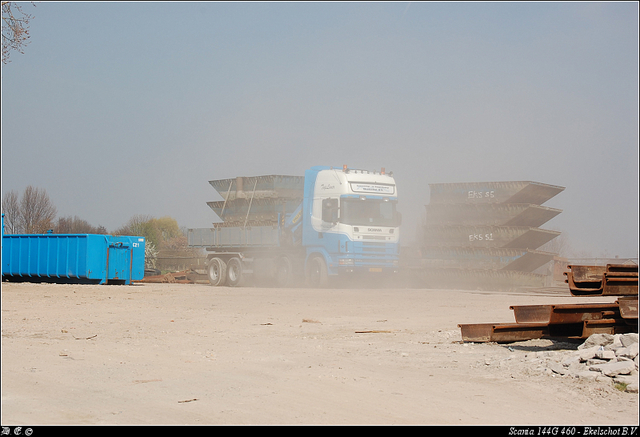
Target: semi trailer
(330, 223)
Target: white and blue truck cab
(350, 223)
(331, 223)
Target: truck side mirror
(330, 210)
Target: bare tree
(15, 29)
(36, 211)
(64, 225)
(33, 213)
(11, 211)
(76, 225)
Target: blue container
(73, 258)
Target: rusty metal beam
(561, 320)
(609, 280)
(629, 308)
(563, 313)
(571, 320)
(614, 285)
(501, 332)
(582, 288)
(510, 332)
(610, 285)
(587, 273)
(626, 268)
(606, 326)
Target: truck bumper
(369, 270)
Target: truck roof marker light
(344, 168)
(382, 170)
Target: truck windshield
(372, 212)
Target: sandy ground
(195, 354)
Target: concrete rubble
(602, 357)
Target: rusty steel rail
(573, 321)
(606, 326)
(622, 268)
(581, 288)
(502, 332)
(511, 332)
(609, 280)
(564, 313)
(617, 285)
(629, 309)
(587, 273)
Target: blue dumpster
(72, 258)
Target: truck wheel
(217, 272)
(284, 272)
(234, 272)
(317, 275)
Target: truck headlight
(346, 262)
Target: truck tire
(217, 272)
(234, 272)
(283, 272)
(317, 274)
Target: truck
(330, 223)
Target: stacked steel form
(257, 200)
(485, 234)
(572, 320)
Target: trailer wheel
(284, 272)
(234, 272)
(217, 272)
(317, 274)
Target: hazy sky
(119, 109)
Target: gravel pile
(602, 357)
